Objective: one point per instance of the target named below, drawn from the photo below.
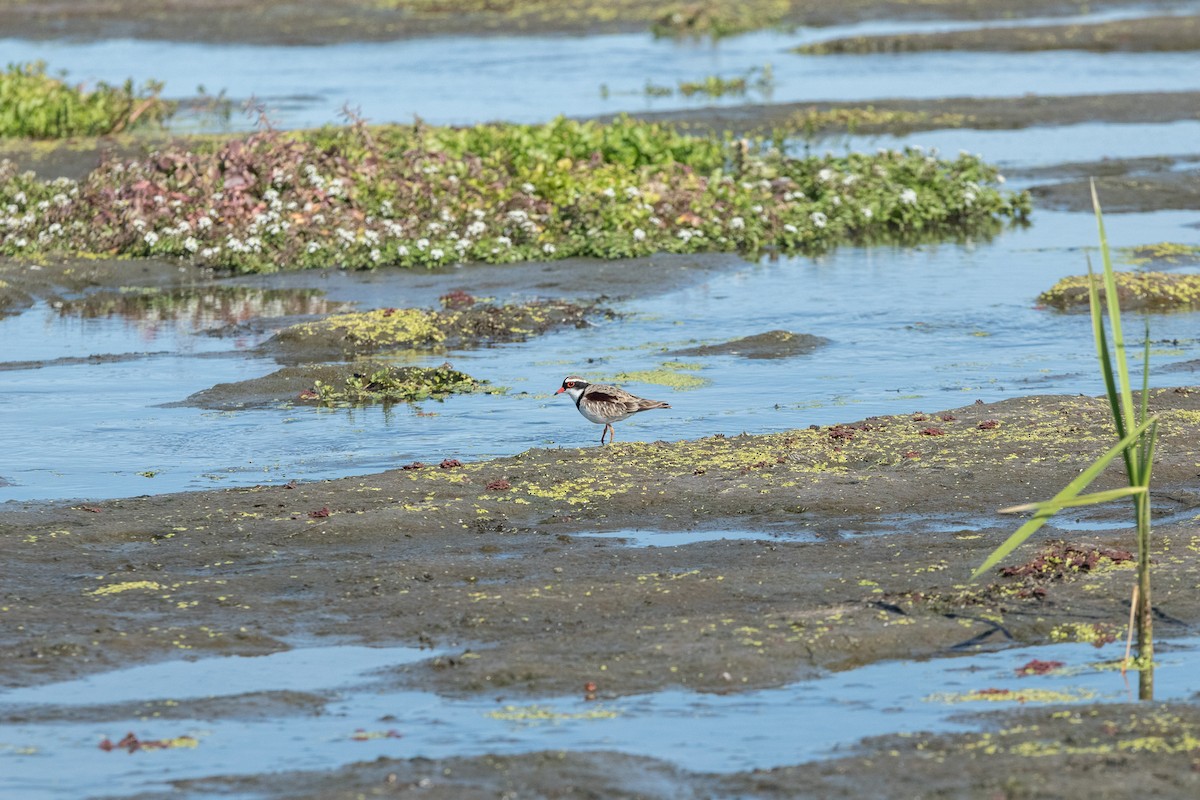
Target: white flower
(868, 213)
(609, 192)
(190, 244)
(737, 223)
(313, 247)
(909, 197)
(790, 228)
(527, 188)
(639, 235)
(436, 253)
(548, 248)
(476, 228)
(376, 256)
(825, 175)
(999, 179)
(402, 250)
(422, 244)
(631, 191)
(818, 219)
(504, 240)
(204, 223)
(151, 238)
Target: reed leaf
(1071, 491)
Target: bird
(604, 404)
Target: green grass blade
(1095, 498)
(1106, 370)
(1114, 315)
(1146, 450)
(1071, 490)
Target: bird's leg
(608, 428)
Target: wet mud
(1153, 34)
(491, 564)
(772, 344)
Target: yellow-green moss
(382, 327)
(1172, 253)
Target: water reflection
(190, 310)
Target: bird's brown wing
(616, 401)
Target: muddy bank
(494, 556)
(1149, 34)
(772, 344)
(313, 22)
(1125, 185)
(832, 547)
(903, 116)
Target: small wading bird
(604, 404)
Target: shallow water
(700, 732)
(926, 329)
(462, 80)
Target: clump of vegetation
(417, 196)
(458, 323)
(389, 384)
(39, 106)
(1170, 253)
(813, 122)
(1155, 291)
(715, 19)
(716, 86)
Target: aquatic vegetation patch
(390, 384)
(1174, 254)
(717, 86)
(1021, 696)
(534, 714)
(457, 323)
(1152, 291)
(717, 18)
(130, 743)
(417, 196)
(813, 122)
(40, 106)
(672, 374)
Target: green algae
(390, 329)
(1022, 696)
(671, 374)
(535, 714)
(1170, 253)
(391, 384)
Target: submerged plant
(384, 384)
(1137, 433)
